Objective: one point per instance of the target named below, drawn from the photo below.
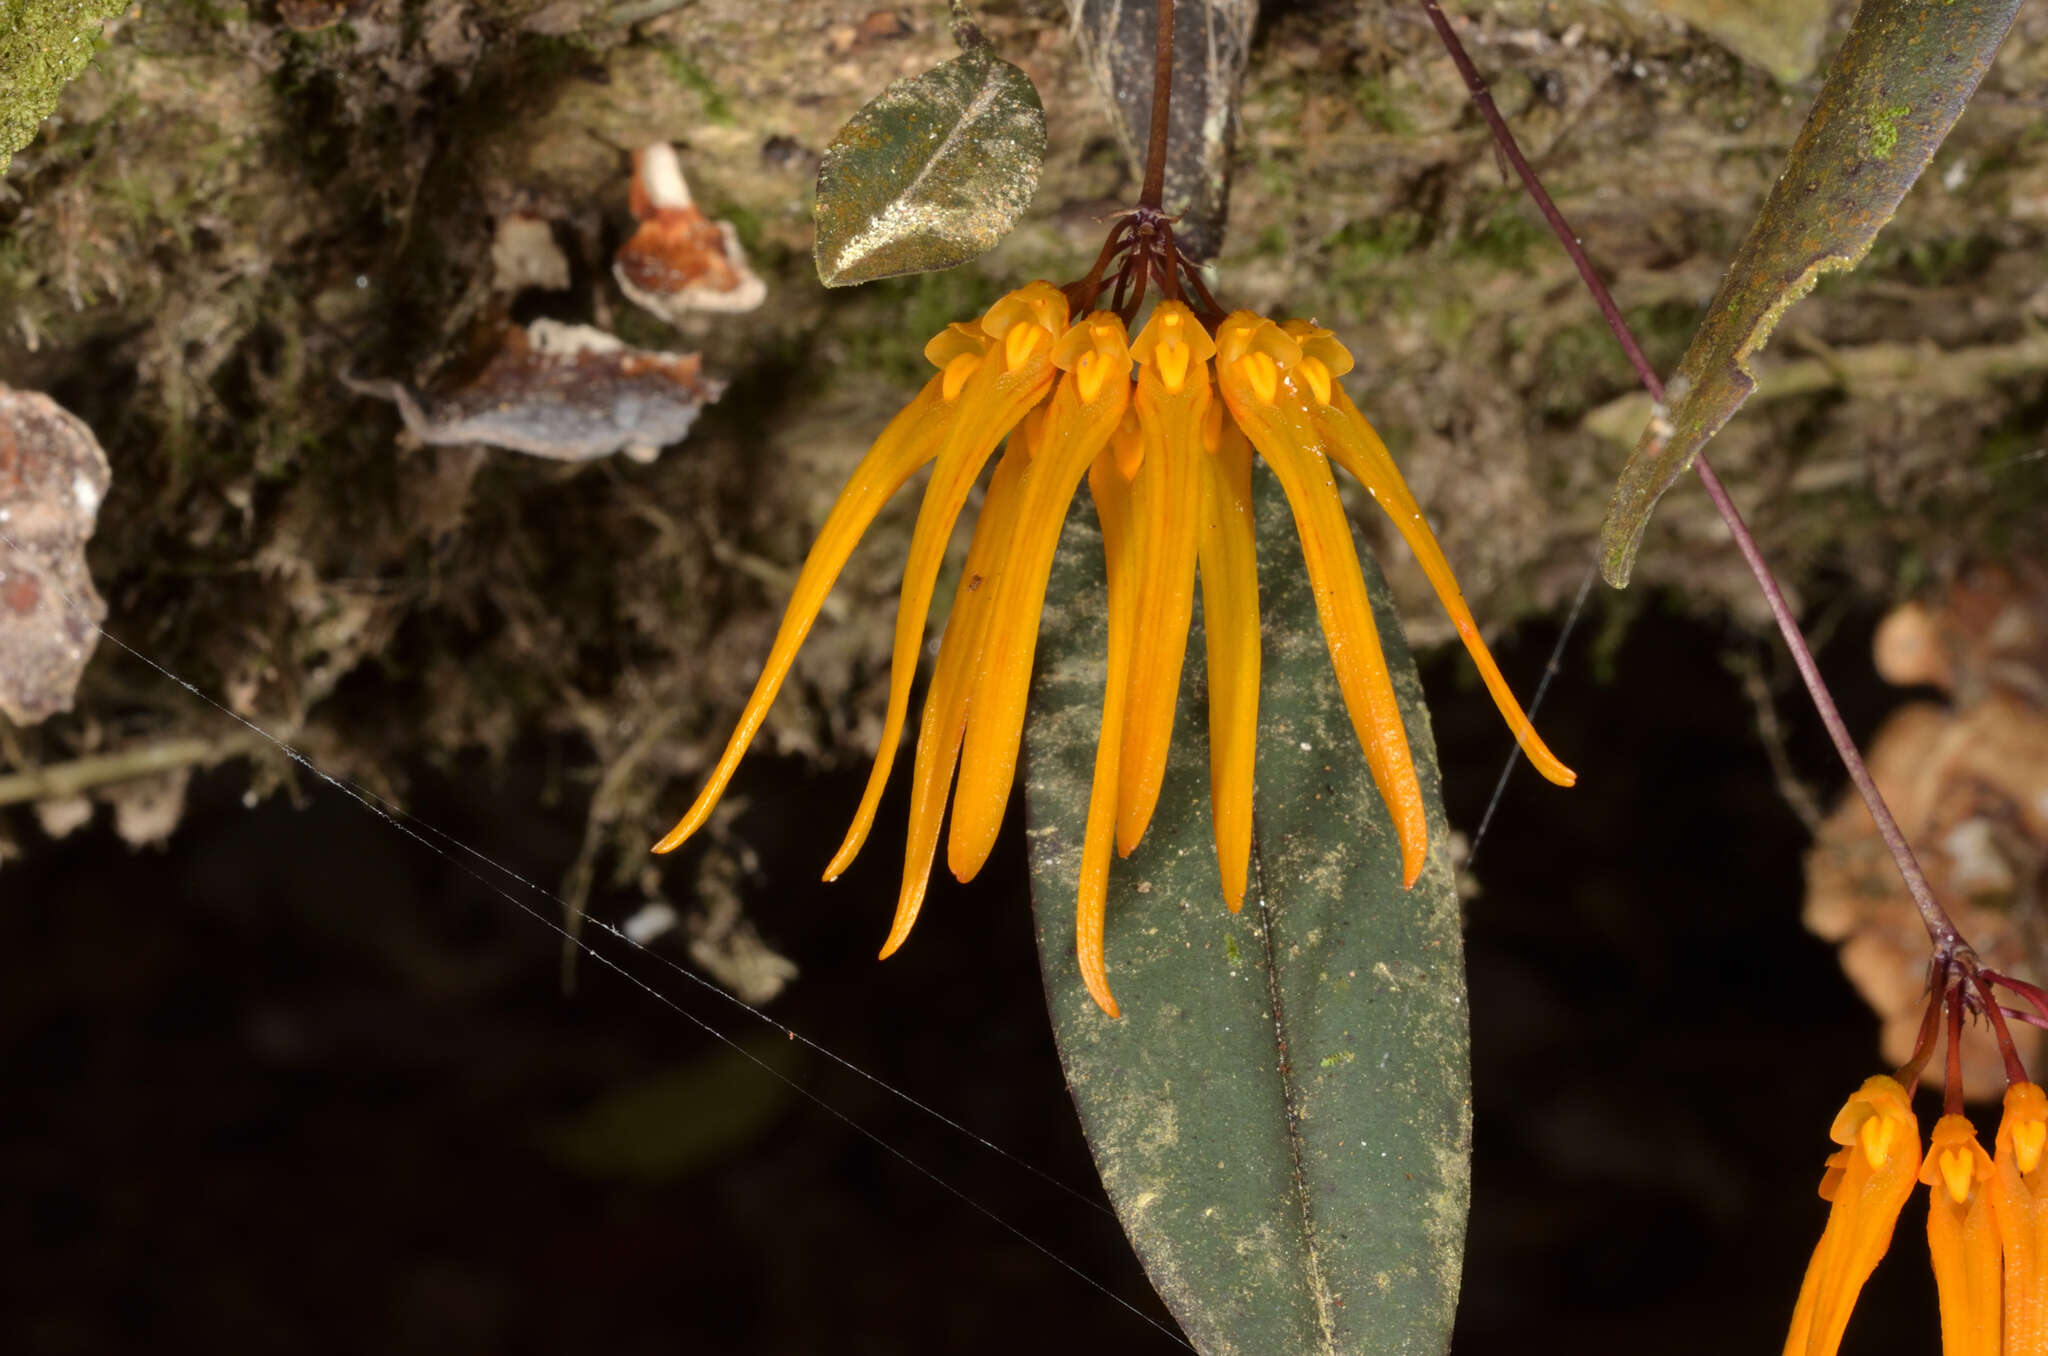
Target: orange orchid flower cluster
(1987, 1214)
(1167, 454)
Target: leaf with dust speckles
(1897, 86)
(1293, 1185)
(931, 173)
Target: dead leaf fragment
(680, 260)
(147, 809)
(524, 254)
(569, 392)
(1968, 784)
(53, 477)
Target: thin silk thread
(403, 821)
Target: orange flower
(1963, 1240)
(1866, 1182)
(1167, 457)
(2019, 1204)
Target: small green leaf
(1281, 1116)
(931, 173)
(1897, 86)
(675, 1121)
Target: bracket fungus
(680, 260)
(53, 478)
(570, 392)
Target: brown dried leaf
(53, 477)
(1969, 785)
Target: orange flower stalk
(1163, 427)
(1866, 1182)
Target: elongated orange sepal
(2019, 1204)
(1251, 361)
(1354, 445)
(1172, 401)
(1009, 379)
(1085, 408)
(911, 439)
(1866, 1183)
(1230, 626)
(1962, 1240)
(953, 683)
(1110, 486)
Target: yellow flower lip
(2026, 1124)
(1038, 304)
(1955, 1161)
(1171, 342)
(1880, 1100)
(1094, 352)
(1243, 332)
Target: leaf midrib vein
(1297, 1166)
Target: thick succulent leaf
(1281, 1115)
(1897, 86)
(932, 173)
(1211, 41)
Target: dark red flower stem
(1141, 244)
(2015, 1072)
(1949, 944)
(1930, 1027)
(1952, 1084)
(1154, 193)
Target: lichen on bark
(43, 44)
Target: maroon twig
(1154, 192)
(1952, 1081)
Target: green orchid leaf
(1281, 1116)
(1897, 86)
(43, 44)
(931, 173)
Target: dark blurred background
(300, 1083)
